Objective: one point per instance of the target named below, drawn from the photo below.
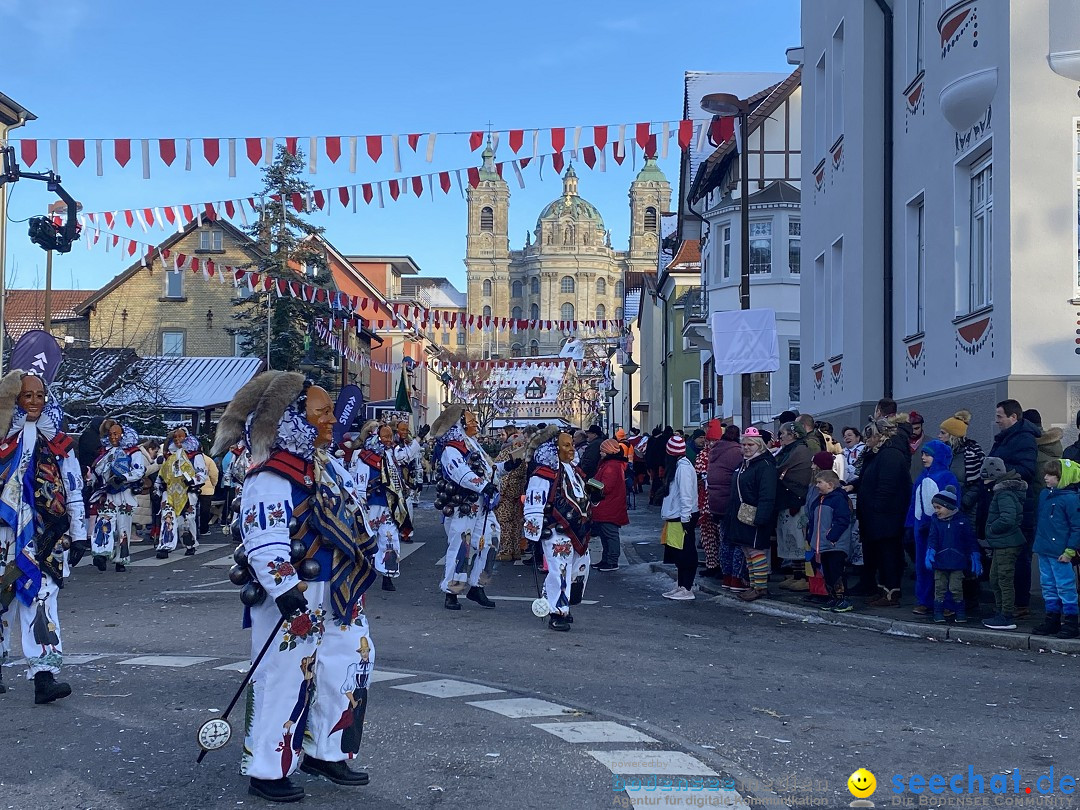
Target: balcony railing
(696, 305)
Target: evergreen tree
(285, 240)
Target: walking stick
(216, 732)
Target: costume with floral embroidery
(181, 476)
(115, 478)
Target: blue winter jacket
(929, 483)
(1057, 525)
(953, 542)
(828, 525)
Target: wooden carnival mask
(320, 415)
(472, 425)
(116, 433)
(32, 397)
(386, 436)
(566, 448)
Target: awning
(190, 383)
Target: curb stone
(902, 629)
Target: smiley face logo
(862, 783)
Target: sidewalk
(641, 544)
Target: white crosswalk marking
(662, 763)
(446, 688)
(409, 548)
(176, 556)
(596, 731)
(517, 708)
(167, 660)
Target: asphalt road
(783, 710)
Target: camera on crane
(45, 232)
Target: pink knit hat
(751, 433)
(676, 446)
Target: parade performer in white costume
(41, 509)
(307, 561)
(467, 489)
(377, 469)
(181, 476)
(557, 513)
(115, 478)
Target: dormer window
(211, 239)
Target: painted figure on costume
(557, 513)
(467, 491)
(115, 478)
(305, 563)
(509, 512)
(182, 475)
(41, 510)
(377, 470)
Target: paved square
(667, 763)
(387, 675)
(446, 688)
(597, 731)
(167, 660)
(523, 707)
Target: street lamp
(611, 393)
(727, 104)
(629, 368)
(446, 379)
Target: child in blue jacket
(1057, 540)
(936, 458)
(951, 547)
(828, 532)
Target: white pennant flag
(536, 142)
(313, 150)
(240, 210)
(141, 221)
(495, 141)
(52, 153)
(397, 152)
(232, 157)
(97, 154)
(268, 151)
(179, 218)
(601, 159)
(703, 134)
(187, 154)
(352, 154)
(620, 143)
(159, 219)
(430, 147)
(577, 139)
(517, 173)
(378, 186)
(665, 133)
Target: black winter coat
(884, 489)
(590, 459)
(1017, 447)
(755, 483)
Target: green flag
(402, 403)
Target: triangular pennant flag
(686, 134)
(29, 152)
(77, 151)
(374, 147)
(475, 140)
(211, 150)
(333, 147)
(414, 141)
(517, 138)
(253, 146)
(558, 139)
(167, 150)
(642, 136)
(290, 144)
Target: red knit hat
(676, 446)
(715, 430)
(823, 460)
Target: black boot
(100, 563)
(336, 772)
(121, 568)
(162, 554)
(189, 543)
(1050, 625)
(388, 584)
(46, 688)
(557, 622)
(275, 790)
(75, 553)
(577, 588)
(476, 594)
(1069, 626)
(451, 602)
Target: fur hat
(450, 416)
(957, 424)
(369, 427)
(542, 436)
(266, 396)
(10, 386)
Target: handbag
(747, 513)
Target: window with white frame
(916, 12)
(211, 239)
(821, 96)
(619, 290)
(566, 312)
(174, 284)
(794, 246)
(725, 251)
(981, 232)
(461, 337)
(761, 247)
(172, 343)
(618, 313)
(836, 88)
(691, 403)
(916, 267)
(836, 299)
(794, 367)
(566, 285)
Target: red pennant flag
(367, 195)
(374, 147)
(525, 161)
(230, 209)
(194, 265)
(167, 150)
(254, 149)
(444, 182)
(499, 169)
(588, 154)
(394, 190)
(343, 195)
(557, 162)
(297, 201)
(320, 199)
(414, 140)
(600, 136)
(558, 139)
(517, 137)
(109, 219)
(129, 218)
(211, 150)
(721, 129)
(418, 186)
(320, 295)
(210, 267)
(619, 157)
(170, 214)
(650, 147)
(29, 152)
(333, 148)
(77, 151)
(290, 145)
(210, 211)
(122, 150)
(642, 135)
(686, 134)
(189, 213)
(475, 140)
(148, 215)
(474, 177)
(132, 247)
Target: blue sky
(235, 69)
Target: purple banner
(37, 352)
(348, 405)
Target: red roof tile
(25, 309)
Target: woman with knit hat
(710, 533)
(610, 513)
(752, 509)
(966, 461)
(680, 506)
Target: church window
(601, 287)
(534, 312)
(515, 350)
(487, 312)
(534, 348)
(515, 313)
(566, 286)
(515, 289)
(618, 289)
(534, 285)
(487, 219)
(618, 313)
(487, 286)
(601, 312)
(650, 219)
(566, 313)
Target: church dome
(571, 205)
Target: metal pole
(47, 320)
(744, 280)
(268, 294)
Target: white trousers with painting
(564, 567)
(310, 697)
(38, 627)
(173, 526)
(111, 533)
(469, 536)
(388, 539)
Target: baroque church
(567, 269)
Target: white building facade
(963, 288)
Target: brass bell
(309, 570)
(240, 556)
(239, 575)
(252, 594)
(297, 550)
